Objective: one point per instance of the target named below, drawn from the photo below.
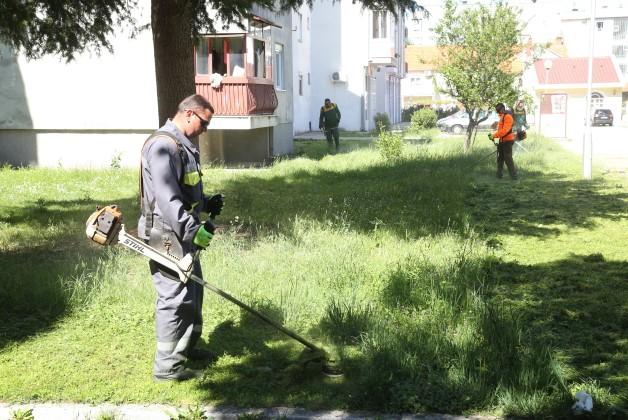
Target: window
(620, 29)
(279, 66)
(380, 18)
(300, 85)
(222, 55)
(202, 57)
(620, 51)
(219, 60)
(235, 53)
(259, 63)
(600, 25)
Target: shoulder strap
(184, 160)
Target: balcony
(239, 96)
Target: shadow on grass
(577, 306)
(41, 280)
(533, 331)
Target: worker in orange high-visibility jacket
(506, 140)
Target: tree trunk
(468, 143)
(171, 22)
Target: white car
(459, 122)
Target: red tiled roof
(576, 71)
(422, 57)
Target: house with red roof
(561, 90)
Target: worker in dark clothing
(172, 201)
(506, 139)
(328, 121)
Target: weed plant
(439, 288)
(390, 146)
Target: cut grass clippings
(438, 287)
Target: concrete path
(610, 148)
(164, 412)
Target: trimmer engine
(104, 224)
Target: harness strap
(146, 208)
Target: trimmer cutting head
(332, 369)
(329, 366)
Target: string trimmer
(104, 226)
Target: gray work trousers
(178, 318)
(332, 134)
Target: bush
(382, 122)
(390, 145)
(423, 119)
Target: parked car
(602, 117)
(459, 121)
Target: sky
(541, 18)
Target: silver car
(459, 122)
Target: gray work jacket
(172, 186)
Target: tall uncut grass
(439, 288)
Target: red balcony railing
(239, 95)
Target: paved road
(610, 148)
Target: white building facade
(97, 110)
(355, 58)
(304, 108)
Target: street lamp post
(587, 144)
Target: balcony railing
(239, 95)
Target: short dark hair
(195, 102)
(327, 100)
(500, 107)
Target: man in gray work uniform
(172, 202)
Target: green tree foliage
(478, 46)
(39, 27)
(62, 27)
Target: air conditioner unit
(338, 77)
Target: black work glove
(215, 204)
(209, 226)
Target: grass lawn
(438, 287)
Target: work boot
(182, 375)
(200, 355)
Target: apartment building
(97, 110)
(352, 55)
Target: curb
(65, 411)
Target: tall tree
(39, 27)
(478, 46)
